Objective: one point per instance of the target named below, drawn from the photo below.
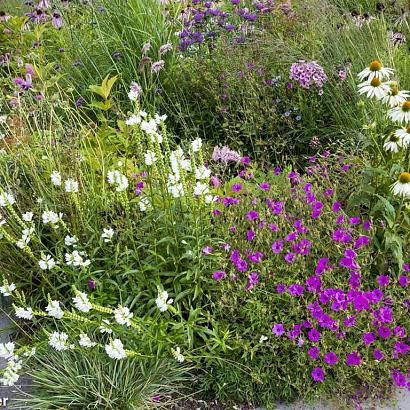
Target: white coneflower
(58, 341)
(375, 69)
(392, 143)
(402, 186)
(82, 303)
(395, 96)
(54, 310)
(71, 185)
(115, 350)
(123, 315)
(107, 234)
(56, 178)
(401, 113)
(85, 341)
(374, 88)
(404, 135)
(24, 313)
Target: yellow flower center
(375, 66)
(394, 91)
(408, 129)
(406, 106)
(375, 82)
(394, 138)
(404, 178)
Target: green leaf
(386, 209)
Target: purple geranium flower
(331, 358)
(278, 329)
(318, 374)
(353, 359)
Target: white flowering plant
(114, 331)
(385, 184)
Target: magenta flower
(353, 359)
(237, 187)
(331, 358)
(264, 186)
(318, 374)
(277, 246)
(245, 160)
(250, 236)
(401, 347)
(378, 354)
(384, 332)
(314, 335)
(252, 215)
(337, 206)
(218, 275)
(290, 257)
(313, 353)
(383, 280)
(369, 338)
(403, 281)
(281, 288)
(207, 250)
(278, 329)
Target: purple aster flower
(354, 220)
(399, 378)
(406, 267)
(318, 374)
(218, 275)
(331, 358)
(353, 359)
(277, 171)
(314, 335)
(321, 265)
(313, 352)
(367, 225)
(403, 281)
(278, 329)
(361, 241)
(281, 288)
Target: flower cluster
(308, 74)
(63, 341)
(300, 247)
(376, 86)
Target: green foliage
(80, 380)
